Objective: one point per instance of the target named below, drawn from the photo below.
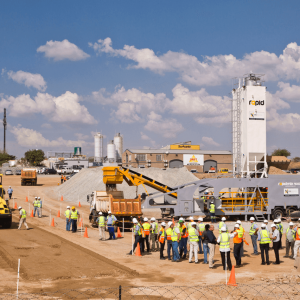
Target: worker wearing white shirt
(223, 240)
(276, 242)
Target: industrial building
(178, 156)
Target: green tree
(4, 157)
(281, 152)
(296, 159)
(34, 157)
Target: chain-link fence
(263, 291)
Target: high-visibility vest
(67, 213)
(252, 230)
(155, 231)
(298, 234)
(162, 236)
(280, 228)
(221, 224)
(238, 237)
(35, 203)
(189, 224)
(169, 233)
(137, 232)
(146, 227)
(224, 240)
(293, 231)
(101, 221)
(23, 213)
(74, 215)
(201, 227)
(264, 237)
(186, 232)
(180, 229)
(174, 235)
(193, 236)
(39, 204)
(212, 208)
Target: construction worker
(183, 238)
(74, 217)
(68, 221)
(297, 241)
(110, 221)
(137, 235)
(169, 240)
(253, 234)
(201, 228)
(264, 241)
(65, 178)
(212, 241)
(36, 207)
(243, 230)
(193, 241)
(276, 242)
(62, 179)
(101, 224)
(238, 241)
(162, 240)
(10, 191)
(266, 223)
(205, 243)
(154, 234)
(191, 220)
(290, 240)
(146, 226)
(280, 229)
(22, 218)
(224, 242)
(39, 207)
(212, 210)
(175, 237)
(222, 224)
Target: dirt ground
(53, 259)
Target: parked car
(64, 171)
(194, 171)
(18, 172)
(9, 172)
(50, 171)
(70, 176)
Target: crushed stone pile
(89, 180)
(276, 171)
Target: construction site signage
(193, 160)
(291, 192)
(185, 147)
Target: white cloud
(168, 128)
(35, 80)
(289, 122)
(212, 70)
(31, 138)
(288, 92)
(62, 50)
(82, 136)
(210, 141)
(144, 137)
(63, 109)
(46, 125)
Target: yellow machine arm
(116, 175)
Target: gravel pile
(89, 180)
(276, 171)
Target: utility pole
(4, 126)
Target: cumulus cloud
(63, 109)
(210, 141)
(35, 80)
(62, 50)
(168, 128)
(31, 138)
(288, 92)
(46, 125)
(289, 122)
(211, 70)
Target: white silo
(111, 152)
(118, 141)
(98, 139)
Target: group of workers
(194, 235)
(63, 178)
(72, 216)
(108, 222)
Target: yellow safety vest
(212, 208)
(264, 237)
(169, 234)
(155, 231)
(67, 213)
(74, 215)
(36, 203)
(137, 232)
(180, 229)
(252, 230)
(174, 236)
(201, 227)
(293, 231)
(224, 240)
(23, 213)
(101, 221)
(39, 204)
(193, 236)
(221, 224)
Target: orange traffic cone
(232, 278)
(138, 250)
(58, 214)
(16, 206)
(119, 235)
(62, 198)
(80, 223)
(85, 233)
(31, 214)
(52, 223)
(79, 205)
(26, 199)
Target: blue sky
(157, 71)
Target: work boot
(184, 256)
(180, 254)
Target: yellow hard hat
(73, 207)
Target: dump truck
(28, 176)
(122, 209)
(5, 212)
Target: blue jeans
(38, 211)
(111, 231)
(199, 243)
(183, 245)
(169, 244)
(254, 242)
(205, 250)
(175, 251)
(68, 224)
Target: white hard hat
(39, 198)
(211, 201)
(10, 186)
(191, 218)
(35, 197)
(181, 219)
(193, 223)
(20, 207)
(291, 224)
(163, 224)
(299, 219)
(265, 221)
(239, 222)
(152, 219)
(275, 221)
(252, 219)
(145, 219)
(109, 212)
(263, 225)
(68, 206)
(223, 228)
(170, 223)
(134, 221)
(200, 219)
(223, 219)
(237, 225)
(279, 220)
(100, 213)
(273, 225)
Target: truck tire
(7, 223)
(278, 213)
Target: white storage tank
(98, 140)
(111, 152)
(118, 141)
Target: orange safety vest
(186, 231)
(298, 234)
(237, 239)
(162, 236)
(65, 178)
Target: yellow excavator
(5, 212)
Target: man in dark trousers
(276, 242)
(264, 241)
(162, 239)
(137, 235)
(238, 241)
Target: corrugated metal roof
(163, 151)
